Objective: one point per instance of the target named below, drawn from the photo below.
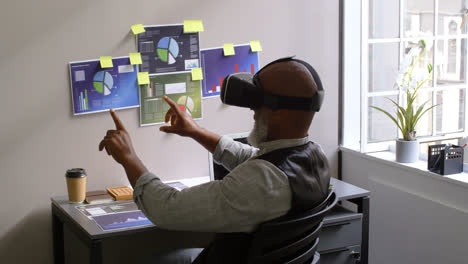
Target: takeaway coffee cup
(76, 184)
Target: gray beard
(259, 133)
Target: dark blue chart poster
(95, 89)
(216, 66)
(167, 48)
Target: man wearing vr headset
(283, 173)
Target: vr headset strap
(311, 104)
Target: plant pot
(407, 151)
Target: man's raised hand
(182, 123)
(117, 142)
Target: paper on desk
(96, 211)
(106, 208)
(189, 182)
(122, 220)
(177, 185)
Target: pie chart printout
(103, 82)
(186, 104)
(96, 89)
(168, 50)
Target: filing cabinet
(341, 236)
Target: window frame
(352, 33)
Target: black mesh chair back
(291, 240)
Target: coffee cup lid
(75, 173)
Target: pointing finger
(118, 124)
(173, 105)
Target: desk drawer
(345, 255)
(341, 228)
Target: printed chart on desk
(96, 89)
(179, 87)
(168, 49)
(216, 66)
(115, 215)
(122, 220)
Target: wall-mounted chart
(216, 66)
(179, 87)
(167, 49)
(95, 89)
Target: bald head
(289, 78)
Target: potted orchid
(409, 80)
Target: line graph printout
(122, 220)
(95, 89)
(216, 66)
(115, 215)
(167, 48)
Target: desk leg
(96, 252)
(363, 207)
(58, 244)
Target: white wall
(414, 218)
(40, 139)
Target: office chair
(290, 240)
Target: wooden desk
(65, 213)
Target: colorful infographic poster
(168, 49)
(95, 89)
(179, 87)
(216, 66)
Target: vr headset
(245, 90)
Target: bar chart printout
(216, 66)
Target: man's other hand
(182, 123)
(117, 142)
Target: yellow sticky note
(106, 62)
(197, 74)
(137, 29)
(143, 78)
(255, 45)
(135, 58)
(228, 49)
(191, 26)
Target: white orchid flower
(420, 75)
(414, 52)
(400, 79)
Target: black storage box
(445, 159)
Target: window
(382, 32)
